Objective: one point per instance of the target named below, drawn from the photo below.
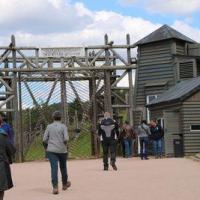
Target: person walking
(128, 136)
(143, 134)
(55, 140)
(108, 133)
(7, 151)
(157, 135)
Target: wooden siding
(194, 49)
(180, 48)
(172, 130)
(155, 63)
(156, 114)
(191, 116)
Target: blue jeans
(128, 147)
(54, 159)
(143, 147)
(157, 146)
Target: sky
(58, 23)
(84, 22)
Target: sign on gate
(62, 52)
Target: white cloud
(86, 27)
(46, 16)
(183, 27)
(177, 7)
(127, 2)
(116, 25)
(181, 7)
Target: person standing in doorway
(7, 128)
(7, 151)
(55, 142)
(157, 135)
(143, 134)
(108, 133)
(128, 136)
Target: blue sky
(84, 22)
(138, 9)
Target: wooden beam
(7, 100)
(121, 106)
(119, 79)
(60, 69)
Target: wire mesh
(40, 100)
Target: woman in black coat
(7, 151)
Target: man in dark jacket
(7, 151)
(108, 132)
(157, 135)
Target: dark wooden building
(179, 107)
(165, 57)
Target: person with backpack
(157, 135)
(108, 133)
(143, 135)
(7, 151)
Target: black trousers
(109, 145)
(1, 195)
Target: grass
(78, 148)
(35, 151)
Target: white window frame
(194, 130)
(147, 110)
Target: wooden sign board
(63, 52)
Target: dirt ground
(161, 179)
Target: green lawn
(78, 148)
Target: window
(149, 98)
(186, 70)
(195, 127)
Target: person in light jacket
(143, 134)
(55, 141)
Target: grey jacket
(143, 130)
(56, 136)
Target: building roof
(179, 92)
(165, 32)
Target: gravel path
(162, 179)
